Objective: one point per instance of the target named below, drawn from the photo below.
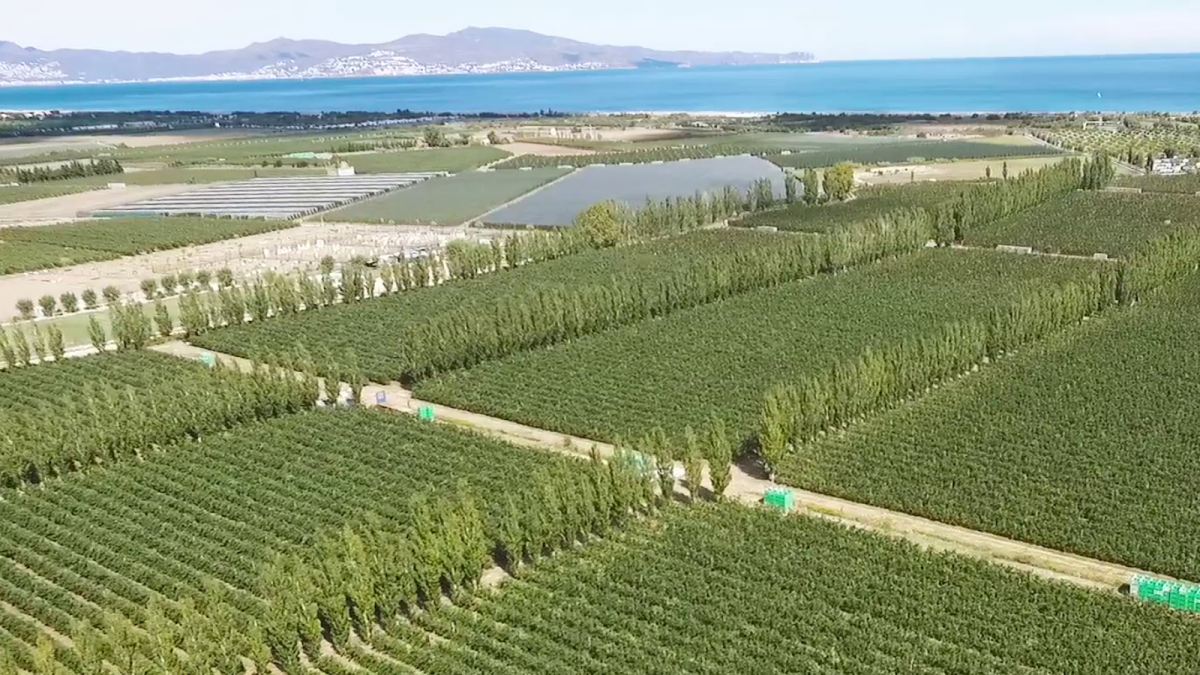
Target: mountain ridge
(471, 50)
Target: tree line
(103, 423)
(462, 338)
(73, 169)
(795, 413)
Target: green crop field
(145, 533)
(1092, 222)
(447, 201)
(870, 203)
(109, 407)
(1084, 443)
(1181, 138)
(721, 358)
(1186, 184)
(827, 155)
(132, 236)
(454, 160)
(728, 589)
(370, 328)
(11, 194)
(22, 256)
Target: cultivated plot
(153, 531)
(561, 202)
(452, 160)
(451, 200)
(371, 328)
(1187, 184)
(1091, 222)
(1085, 443)
(721, 358)
(728, 589)
(869, 203)
(281, 198)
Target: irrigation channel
(1044, 562)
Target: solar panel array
(276, 198)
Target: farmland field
(1092, 222)
(720, 358)
(561, 202)
(120, 539)
(1085, 443)
(728, 589)
(1187, 184)
(447, 201)
(22, 256)
(136, 235)
(115, 406)
(11, 194)
(809, 156)
(870, 203)
(371, 328)
(453, 160)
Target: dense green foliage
(21, 256)
(1092, 222)
(371, 328)
(872, 153)
(128, 542)
(869, 203)
(736, 590)
(139, 235)
(65, 416)
(447, 201)
(1084, 443)
(721, 358)
(1186, 184)
(72, 169)
(1131, 142)
(453, 160)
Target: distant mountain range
(473, 50)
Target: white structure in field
(1173, 166)
(285, 197)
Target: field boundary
(929, 534)
(479, 219)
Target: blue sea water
(1166, 83)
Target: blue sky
(862, 29)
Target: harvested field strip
(453, 160)
(1092, 222)
(447, 201)
(11, 194)
(1059, 445)
(673, 599)
(719, 359)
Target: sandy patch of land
(975, 169)
(281, 251)
(35, 146)
(69, 207)
(543, 149)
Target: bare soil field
(544, 150)
(975, 169)
(68, 207)
(281, 251)
(42, 145)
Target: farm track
(1042, 254)
(1043, 562)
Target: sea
(1126, 83)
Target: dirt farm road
(931, 534)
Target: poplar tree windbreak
(812, 187)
